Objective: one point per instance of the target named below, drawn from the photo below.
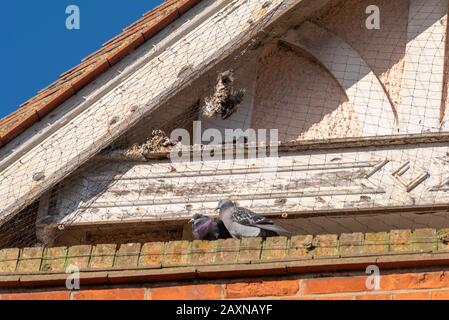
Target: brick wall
(393, 286)
(413, 264)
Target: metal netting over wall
(352, 115)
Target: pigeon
(243, 223)
(206, 228)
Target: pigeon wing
(221, 231)
(248, 218)
(204, 230)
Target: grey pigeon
(206, 228)
(243, 223)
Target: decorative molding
(297, 182)
(418, 176)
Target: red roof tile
(91, 67)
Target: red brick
(116, 55)
(127, 45)
(262, 289)
(50, 295)
(374, 297)
(187, 5)
(440, 295)
(190, 292)
(424, 295)
(151, 30)
(111, 294)
(332, 285)
(56, 100)
(335, 298)
(23, 118)
(89, 75)
(430, 280)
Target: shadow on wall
(383, 50)
(301, 99)
(304, 100)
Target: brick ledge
(117, 277)
(178, 260)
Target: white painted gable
(310, 80)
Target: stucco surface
(383, 49)
(301, 99)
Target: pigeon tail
(279, 231)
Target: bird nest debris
(158, 143)
(225, 100)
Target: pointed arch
(376, 113)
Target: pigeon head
(197, 218)
(204, 228)
(224, 204)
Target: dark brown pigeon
(206, 228)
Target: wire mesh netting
(291, 109)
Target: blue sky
(37, 47)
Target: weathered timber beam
(301, 145)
